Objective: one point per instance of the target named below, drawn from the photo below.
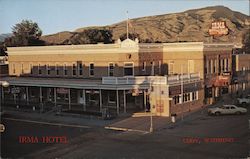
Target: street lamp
(151, 114)
(3, 84)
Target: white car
(245, 100)
(227, 109)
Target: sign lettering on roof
(218, 28)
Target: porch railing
(150, 79)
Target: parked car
(244, 100)
(227, 109)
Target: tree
(246, 42)
(3, 50)
(92, 36)
(25, 33)
(131, 36)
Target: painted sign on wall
(218, 28)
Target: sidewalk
(123, 123)
(53, 118)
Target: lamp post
(3, 84)
(182, 92)
(151, 114)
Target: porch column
(117, 102)
(27, 95)
(84, 99)
(55, 96)
(2, 93)
(145, 100)
(41, 95)
(124, 100)
(100, 95)
(14, 95)
(69, 100)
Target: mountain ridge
(191, 25)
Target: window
(195, 95)
(65, 70)
(74, 69)
(80, 69)
(144, 66)
(128, 69)
(190, 66)
(223, 65)
(243, 70)
(91, 69)
(212, 66)
(159, 63)
(152, 68)
(22, 71)
(111, 69)
(14, 68)
(31, 69)
(171, 67)
(209, 67)
(226, 64)
(39, 69)
(215, 65)
(111, 96)
(176, 99)
(48, 69)
(57, 69)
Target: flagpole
(127, 24)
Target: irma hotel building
(124, 77)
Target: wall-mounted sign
(15, 90)
(218, 28)
(62, 90)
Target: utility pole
(151, 114)
(127, 24)
(182, 92)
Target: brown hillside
(191, 25)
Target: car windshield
(222, 107)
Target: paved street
(197, 136)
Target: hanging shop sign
(62, 90)
(222, 81)
(218, 28)
(15, 90)
(92, 91)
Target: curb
(125, 129)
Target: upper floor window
(91, 69)
(190, 66)
(171, 67)
(144, 66)
(48, 69)
(159, 64)
(22, 70)
(80, 68)
(111, 69)
(14, 68)
(128, 69)
(31, 69)
(74, 69)
(65, 69)
(39, 69)
(57, 69)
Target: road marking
(2, 128)
(125, 129)
(47, 123)
(248, 123)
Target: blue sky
(59, 15)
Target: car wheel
(238, 113)
(217, 113)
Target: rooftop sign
(218, 28)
